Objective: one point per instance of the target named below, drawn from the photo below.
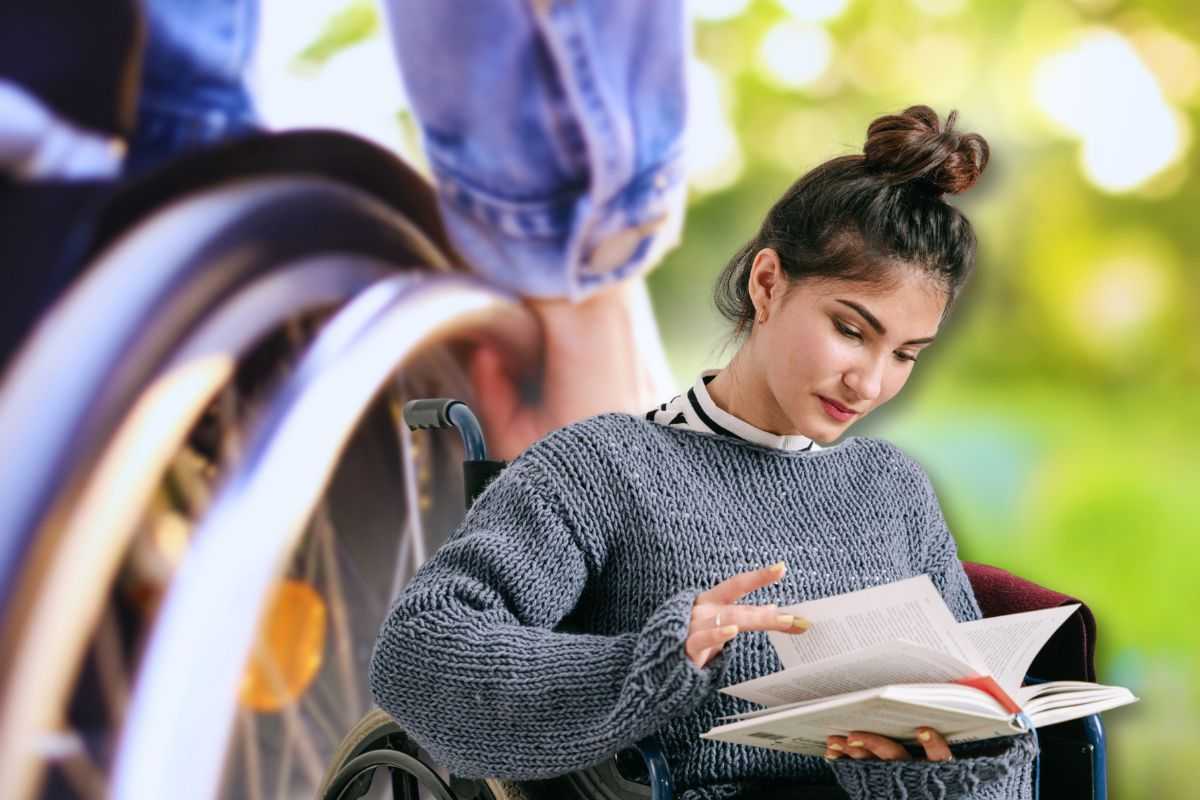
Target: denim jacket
(194, 86)
(554, 128)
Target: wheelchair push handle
(446, 412)
(430, 412)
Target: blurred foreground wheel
(118, 417)
(255, 667)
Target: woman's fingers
(735, 588)
(863, 745)
(844, 746)
(764, 618)
(704, 644)
(748, 618)
(876, 746)
(936, 748)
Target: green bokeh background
(1059, 429)
(1063, 448)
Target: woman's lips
(835, 410)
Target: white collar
(696, 411)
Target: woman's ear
(766, 283)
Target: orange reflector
(289, 649)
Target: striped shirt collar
(696, 411)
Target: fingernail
(835, 746)
(778, 567)
(856, 743)
(924, 736)
(729, 630)
(832, 756)
(800, 623)
(786, 619)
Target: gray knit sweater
(547, 633)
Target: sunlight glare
(716, 10)
(815, 10)
(1103, 94)
(796, 54)
(713, 152)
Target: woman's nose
(866, 380)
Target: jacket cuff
(564, 246)
(1007, 775)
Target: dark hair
(858, 217)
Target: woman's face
(839, 341)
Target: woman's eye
(845, 331)
(853, 334)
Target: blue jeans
(193, 77)
(554, 128)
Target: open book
(892, 658)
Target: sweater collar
(696, 411)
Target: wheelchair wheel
(189, 699)
(370, 746)
(118, 415)
(339, 541)
(366, 755)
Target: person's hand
(860, 745)
(716, 618)
(602, 354)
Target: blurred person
(587, 600)
(560, 176)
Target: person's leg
(193, 78)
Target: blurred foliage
(356, 23)
(1057, 414)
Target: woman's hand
(860, 745)
(716, 619)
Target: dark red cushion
(1070, 653)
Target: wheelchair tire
(377, 732)
(345, 373)
(156, 288)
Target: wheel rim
(58, 433)
(30, 725)
(97, 532)
(285, 453)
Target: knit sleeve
(1006, 775)
(998, 769)
(469, 663)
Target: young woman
(611, 579)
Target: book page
(1058, 701)
(878, 665)
(1008, 644)
(804, 731)
(910, 609)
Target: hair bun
(913, 146)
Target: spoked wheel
(367, 757)
(119, 416)
(256, 666)
(366, 766)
